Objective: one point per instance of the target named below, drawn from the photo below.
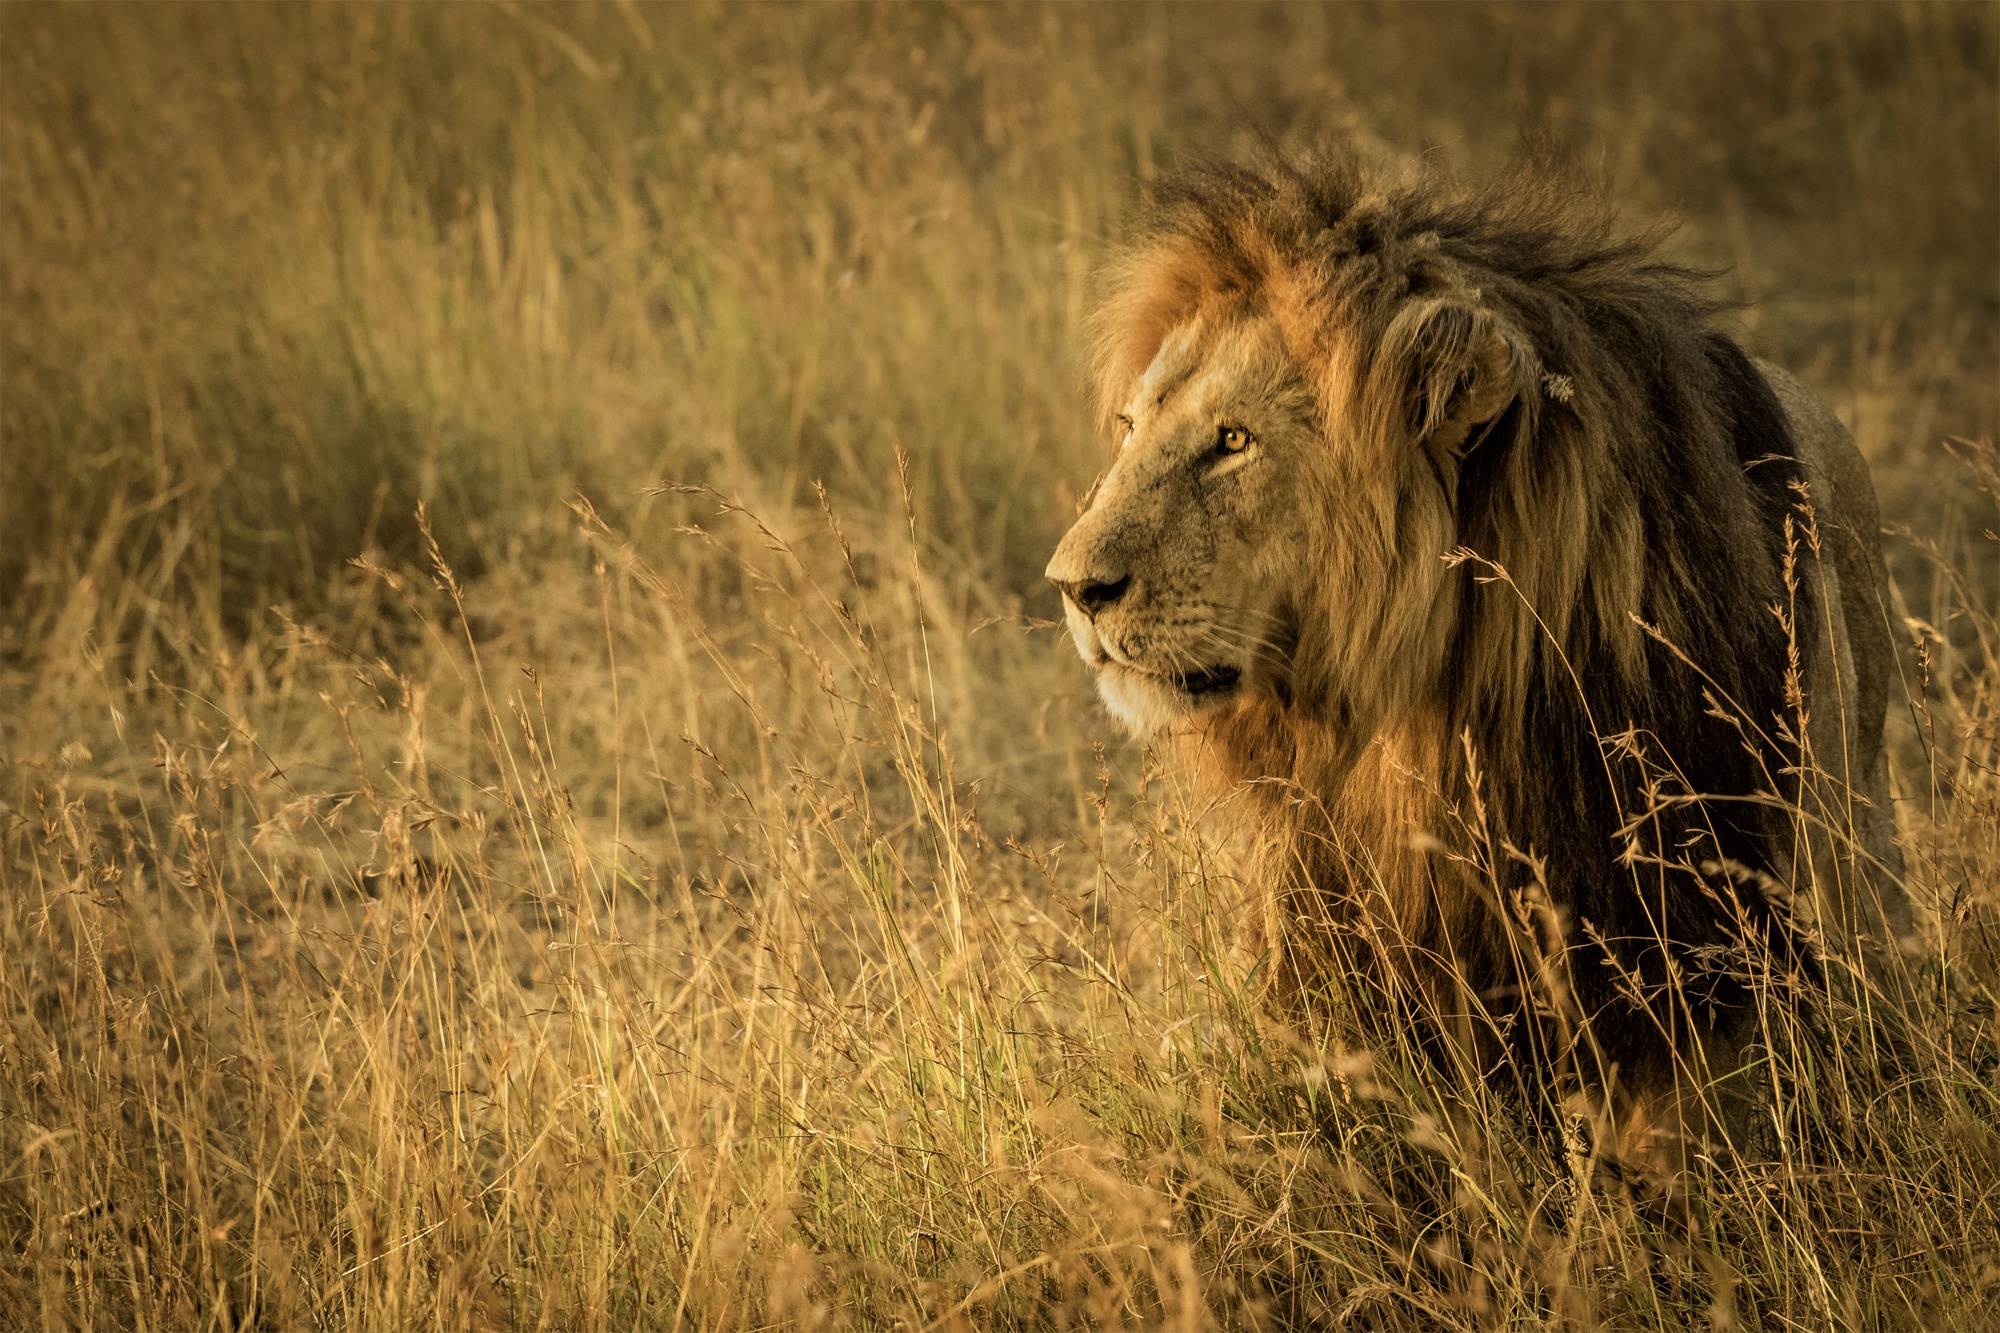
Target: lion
(1536, 628)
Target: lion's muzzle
(1153, 663)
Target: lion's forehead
(1180, 356)
(1196, 366)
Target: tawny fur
(1502, 567)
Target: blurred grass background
(681, 916)
(273, 274)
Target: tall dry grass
(533, 795)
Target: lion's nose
(1093, 597)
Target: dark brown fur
(1447, 755)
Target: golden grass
(651, 890)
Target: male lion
(1496, 583)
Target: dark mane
(1643, 471)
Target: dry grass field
(536, 787)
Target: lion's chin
(1147, 704)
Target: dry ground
(647, 887)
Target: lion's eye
(1232, 439)
(1124, 428)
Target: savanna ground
(674, 877)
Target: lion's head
(1290, 429)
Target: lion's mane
(1541, 717)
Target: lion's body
(1481, 570)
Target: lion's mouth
(1150, 701)
(1210, 680)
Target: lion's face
(1177, 581)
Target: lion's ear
(1454, 367)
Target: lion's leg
(1890, 900)
(1844, 830)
